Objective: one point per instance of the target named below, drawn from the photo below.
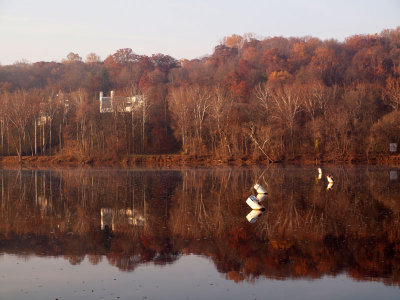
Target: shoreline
(171, 161)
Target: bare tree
(51, 107)
(261, 138)
(145, 108)
(220, 111)
(180, 106)
(263, 93)
(3, 119)
(80, 102)
(92, 58)
(200, 99)
(287, 105)
(391, 93)
(20, 117)
(135, 114)
(316, 98)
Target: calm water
(189, 234)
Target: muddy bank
(164, 161)
(168, 161)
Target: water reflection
(134, 217)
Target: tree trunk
(19, 150)
(143, 123)
(35, 137)
(2, 137)
(44, 141)
(50, 135)
(60, 140)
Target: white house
(119, 103)
(117, 217)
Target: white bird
(330, 178)
(330, 186)
(260, 189)
(261, 197)
(319, 173)
(253, 202)
(253, 216)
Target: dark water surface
(189, 234)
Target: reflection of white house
(119, 103)
(114, 217)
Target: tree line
(273, 98)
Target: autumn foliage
(276, 98)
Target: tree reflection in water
(138, 216)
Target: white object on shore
(260, 189)
(330, 186)
(253, 216)
(319, 173)
(261, 197)
(330, 178)
(253, 202)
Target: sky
(47, 30)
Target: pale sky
(47, 30)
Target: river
(189, 234)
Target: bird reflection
(139, 217)
(253, 215)
(261, 197)
(330, 186)
(319, 174)
(254, 203)
(331, 182)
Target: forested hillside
(275, 98)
